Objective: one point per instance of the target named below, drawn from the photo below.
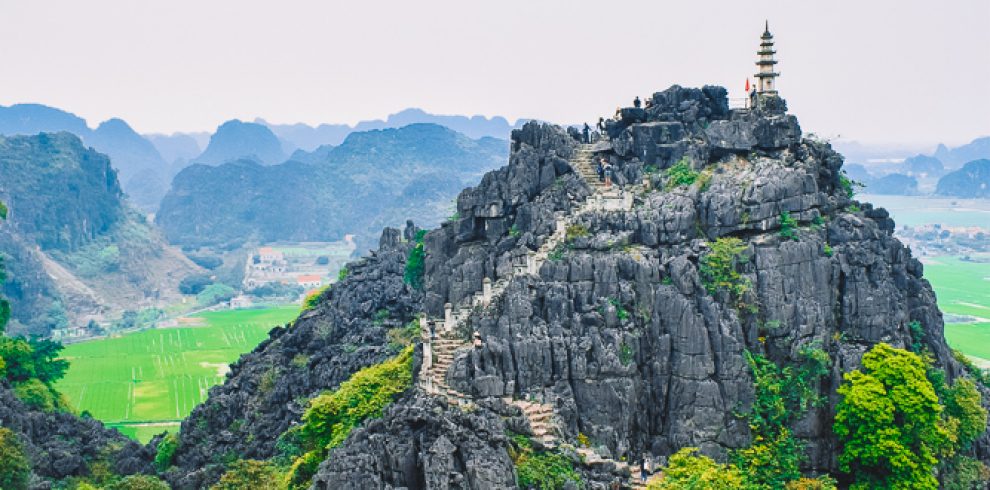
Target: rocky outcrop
(61, 445)
(267, 390)
(421, 442)
(616, 330)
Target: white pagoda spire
(766, 76)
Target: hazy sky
(877, 71)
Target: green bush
(312, 299)
(400, 338)
(917, 336)
(37, 395)
(166, 451)
(889, 422)
(687, 470)
(576, 231)
(331, 417)
(15, 469)
(680, 174)
(194, 284)
(342, 274)
(626, 354)
(788, 226)
(543, 470)
(250, 473)
(416, 263)
(215, 293)
(827, 250)
(781, 394)
(718, 267)
(139, 482)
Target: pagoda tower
(765, 78)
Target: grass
(963, 288)
(145, 382)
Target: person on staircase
(600, 169)
(477, 339)
(586, 133)
(608, 174)
(643, 472)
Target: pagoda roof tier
(766, 62)
(766, 75)
(766, 51)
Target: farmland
(145, 382)
(963, 290)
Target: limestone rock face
(62, 445)
(423, 443)
(267, 390)
(616, 331)
(620, 334)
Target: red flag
(747, 85)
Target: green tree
(689, 471)
(788, 226)
(718, 267)
(889, 422)
(139, 482)
(681, 174)
(416, 263)
(215, 293)
(36, 395)
(250, 473)
(15, 469)
(165, 452)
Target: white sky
(877, 71)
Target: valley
(144, 383)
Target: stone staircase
(442, 339)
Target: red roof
(308, 278)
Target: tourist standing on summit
(637, 102)
(607, 170)
(586, 132)
(601, 125)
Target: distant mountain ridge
(77, 251)
(308, 138)
(971, 181)
(236, 139)
(141, 169)
(372, 179)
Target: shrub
(888, 422)
(687, 470)
(250, 473)
(139, 482)
(514, 231)
(781, 394)
(917, 336)
(576, 231)
(544, 470)
(194, 284)
(15, 469)
(400, 338)
(827, 250)
(416, 263)
(680, 174)
(788, 226)
(963, 403)
(312, 299)
(331, 417)
(853, 208)
(215, 293)
(625, 354)
(206, 261)
(37, 395)
(718, 267)
(166, 452)
(824, 482)
(342, 274)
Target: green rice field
(963, 290)
(145, 382)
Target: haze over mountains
(373, 179)
(146, 164)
